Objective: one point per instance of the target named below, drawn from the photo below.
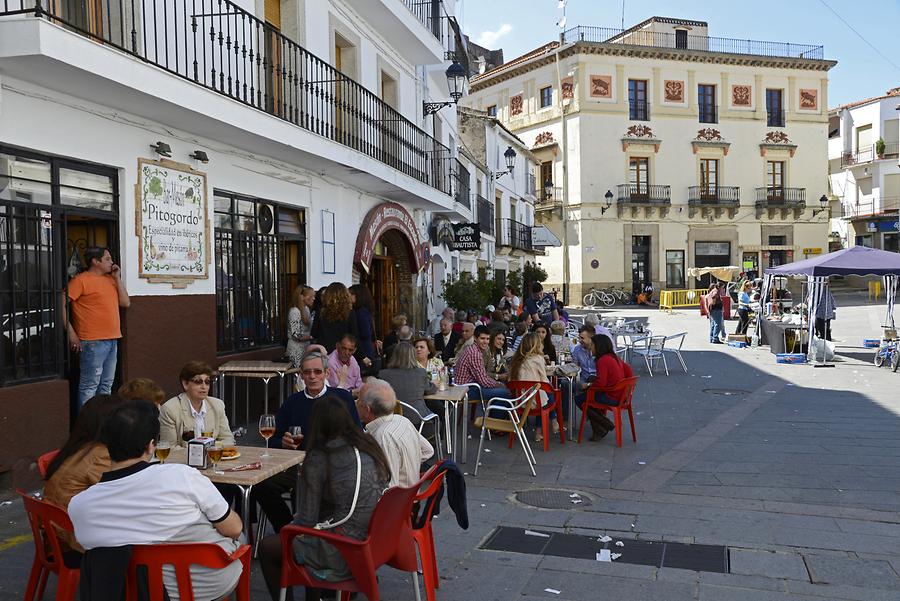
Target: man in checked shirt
(470, 368)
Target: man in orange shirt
(95, 296)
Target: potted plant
(879, 148)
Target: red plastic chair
(423, 535)
(389, 541)
(44, 461)
(626, 388)
(44, 519)
(519, 387)
(182, 556)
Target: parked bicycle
(592, 298)
(622, 296)
(888, 353)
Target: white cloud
(489, 39)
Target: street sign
(466, 236)
(812, 251)
(541, 236)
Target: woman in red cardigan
(610, 371)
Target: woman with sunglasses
(193, 412)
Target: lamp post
(823, 201)
(608, 196)
(510, 157)
(456, 78)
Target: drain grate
(702, 558)
(553, 498)
(726, 391)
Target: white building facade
(863, 143)
(662, 148)
(302, 124)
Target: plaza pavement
(795, 470)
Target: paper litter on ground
(604, 539)
(615, 555)
(620, 543)
(705, 376)
(576, 501)
(533, 533)
(642, 463)
(551, 590)
(574, 495)
(604, 555)
(487, 450)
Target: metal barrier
(672, 299)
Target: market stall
(722, 274)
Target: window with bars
(546, 96)
(260, 254)
(51, 210)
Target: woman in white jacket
(528, 365)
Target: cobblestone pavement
(795, 470)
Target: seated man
(343, 369)
(295, 412)
(136, 503)
(445, 340)
(402, 444)
(466, 338)
(470, 367)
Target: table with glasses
(453, 397)
(261, 370)
(280, 460)
(569, 372)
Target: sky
(518, 26)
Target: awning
(720, 273)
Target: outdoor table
(280, 461)
(559, 371)
(629, 337)
(774, 333)
(453, 396)
(263, 370)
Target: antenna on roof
(623, 15)
(562, 20)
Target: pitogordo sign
(382, 218)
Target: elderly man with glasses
(295, 412)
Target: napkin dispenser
(197, 451)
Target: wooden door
(274, 57)
(385, 293)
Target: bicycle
(889, 353)
(622, 296)
(595, 296)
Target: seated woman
(142, 389)
(610, 371)
(193, 412)
(81, 460)
(328, 482)
(427, 356)
(496, 363)
(558, 339)
(409, 380)
(527, 365)
(541, 329)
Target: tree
(470, 293)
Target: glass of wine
(207, 433)
(162, 451)
(267, 430)
(215, 456)
(297, 435)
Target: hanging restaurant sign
(467, 236)
(171, 223)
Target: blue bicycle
(888, 353)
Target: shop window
(260, 253)
(51, 210)
(674, 269)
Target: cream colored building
(679, 150)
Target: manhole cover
(553, 498)
(726, 391)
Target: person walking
(94, 327)
(714, 306)
(369, 346)
(744, 308)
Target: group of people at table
(357, 443)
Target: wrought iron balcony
(644, 194)
(461, 180)
(513, 234)
(550, 197)
(775, 118)
(661, 39)
(429, 13)
(222, 47)
(709, 113)
(773, 197)
(485, 214)
(714, 196)
(867, 154)
(638, 110)
(871, 207)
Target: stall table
(774, 334)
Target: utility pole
(564, 210)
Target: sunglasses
(201, 381)
(311, 372)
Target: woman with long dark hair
(366, 350)
(610, 371)
(337, 453)
(497, 365)
(81, 460)
(541, 329)
(335, 318)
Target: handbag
(328, 524)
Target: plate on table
(230, 457)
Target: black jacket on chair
(446, 352)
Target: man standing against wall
(93, 327)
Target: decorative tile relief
(709, 134)
(809, 99)
(568, 88)
(515, 105)
(776, 137)
(601, 86)
(639, 131)
(741, 95)
(674, 90)
(543, 138)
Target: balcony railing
(709, 113)
(485, 210)
(644, 194)
(774, 118)
(549, 197)
(660, 39)
(780, 198)
(514, 234)
(429, 12)
(714, 196)
(638, 110)
(461, 180)
(218, 45)
(867, 154)
(871, 207)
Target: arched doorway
(389, 257)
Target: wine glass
(267, 430)
(215, 455)
(162, 451)
(297, 435)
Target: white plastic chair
(652, 351)
(436, 423)
(516, 410)
(669, 347)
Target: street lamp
(456, 78)
(548, 190)
(510, 156)
(608, 196)
(823, 200)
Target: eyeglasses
(201, 381)
(311, 372)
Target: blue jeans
(716, 325)
(488, 394)
(98, 368)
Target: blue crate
(871, 342)
(790, 358)
(737, 344)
